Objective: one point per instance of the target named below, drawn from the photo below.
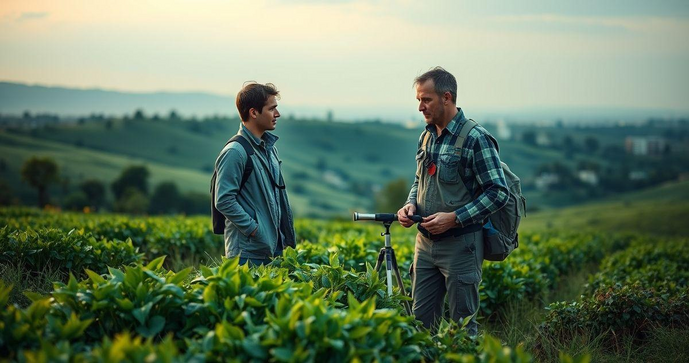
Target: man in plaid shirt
(457, 186)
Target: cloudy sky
(359, 57)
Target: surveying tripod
(387, 253)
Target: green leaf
(206, 272)
(141, 314)
(124, 304)
(156, 264)
(254, 348)
(253, 302)
(33, 296)
(155, 325)
(5, 291)
(74, 327)
(283, 354)
(96, 278)
(334, 260)
(179, 277)
(360, 331)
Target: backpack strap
(424, 139)
(249, 166)
(464, 132)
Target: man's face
(430, 104)
(267, 119)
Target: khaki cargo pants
(451, 265)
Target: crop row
(636, 290)
(534, 268)
(225, 312)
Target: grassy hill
(662, 210)
(330, 168)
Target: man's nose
(277, 113)
(421, 106)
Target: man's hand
(403, 213)
(439, 222)
(254, 232)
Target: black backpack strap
(217, 218)
(249, 166)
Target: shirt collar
(454, 126)
(268, 138)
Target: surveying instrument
(387, 253)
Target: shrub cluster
(636, 290)
(221, 313)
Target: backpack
(500, 235)
(217, 217)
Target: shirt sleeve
(230, 166)
(484, 161)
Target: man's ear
(447, 97)
(253, 113)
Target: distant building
(645, 145)
(636, 175)
(588, 177)
(503, 131)
(543, 139)
(545, 180)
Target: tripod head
(386, 218)
(383, 217)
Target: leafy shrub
(72, 251)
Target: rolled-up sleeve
(230, 167)
(485, 163)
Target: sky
(359, 58)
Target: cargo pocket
(466, 295)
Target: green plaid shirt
(479, 169)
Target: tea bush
(636, 290)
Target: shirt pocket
(449, 168)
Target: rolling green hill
(330, 168)
(662, 210)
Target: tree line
(130, 191)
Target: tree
(196, 203)
(592, 144)
(76, 201)
(133, 201)
(568, 146)
(392, 196)
(529, 137)
(132, 177)
(40, 173)
(94, 190)
(139, 115)
(173, 115)
(166, 199)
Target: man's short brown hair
(254, 95)
(443, 81)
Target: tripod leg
(381, 257)
(400, 284)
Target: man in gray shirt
(259, 222)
